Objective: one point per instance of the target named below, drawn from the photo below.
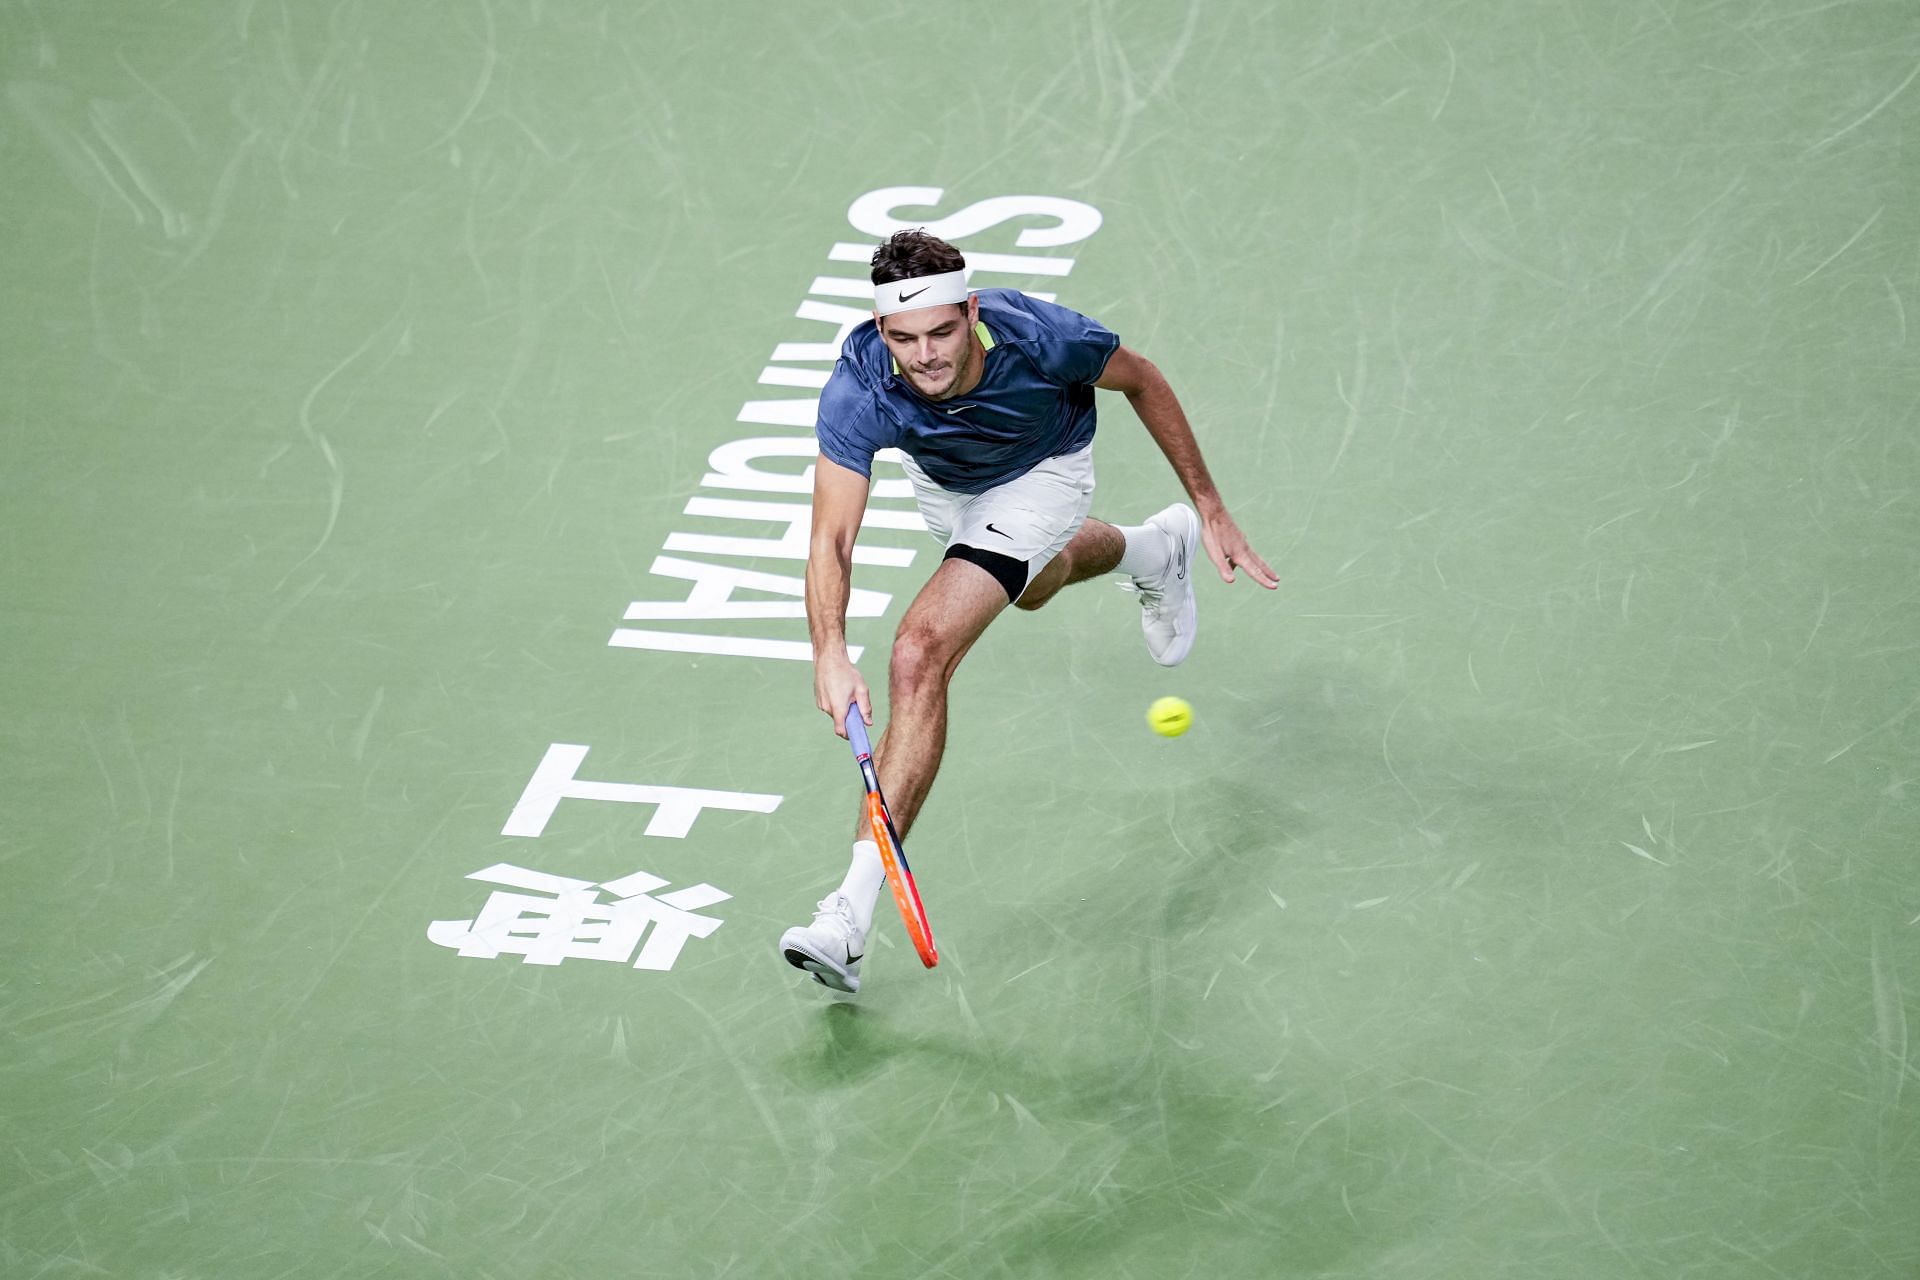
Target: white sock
(1148, 551)
(864, 877)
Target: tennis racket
(893, 854)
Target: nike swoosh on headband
(920, 291)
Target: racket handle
(857, 731)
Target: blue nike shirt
(1034, 401)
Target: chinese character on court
(549, 918)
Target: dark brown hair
(909, 254)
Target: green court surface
(1535, 895)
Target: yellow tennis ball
(1170, 717)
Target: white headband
(922, 291)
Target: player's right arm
(839, 502)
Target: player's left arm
(1134, 376)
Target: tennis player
(989, 394)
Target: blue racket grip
(857, 731)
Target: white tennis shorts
(1030, 518)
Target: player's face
(934, 348)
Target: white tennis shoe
(1168, 615)
(830, 948)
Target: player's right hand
(1227, 547)
(836, 685)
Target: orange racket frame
(893, 852)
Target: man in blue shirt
(990, 397)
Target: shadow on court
(1123, 1165)
(1120, 1123)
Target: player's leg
(1156, 556)
(970, 588)
(941, 624)
(1094, 551)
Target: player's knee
(918, 657)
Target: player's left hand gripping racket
(893, 854)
